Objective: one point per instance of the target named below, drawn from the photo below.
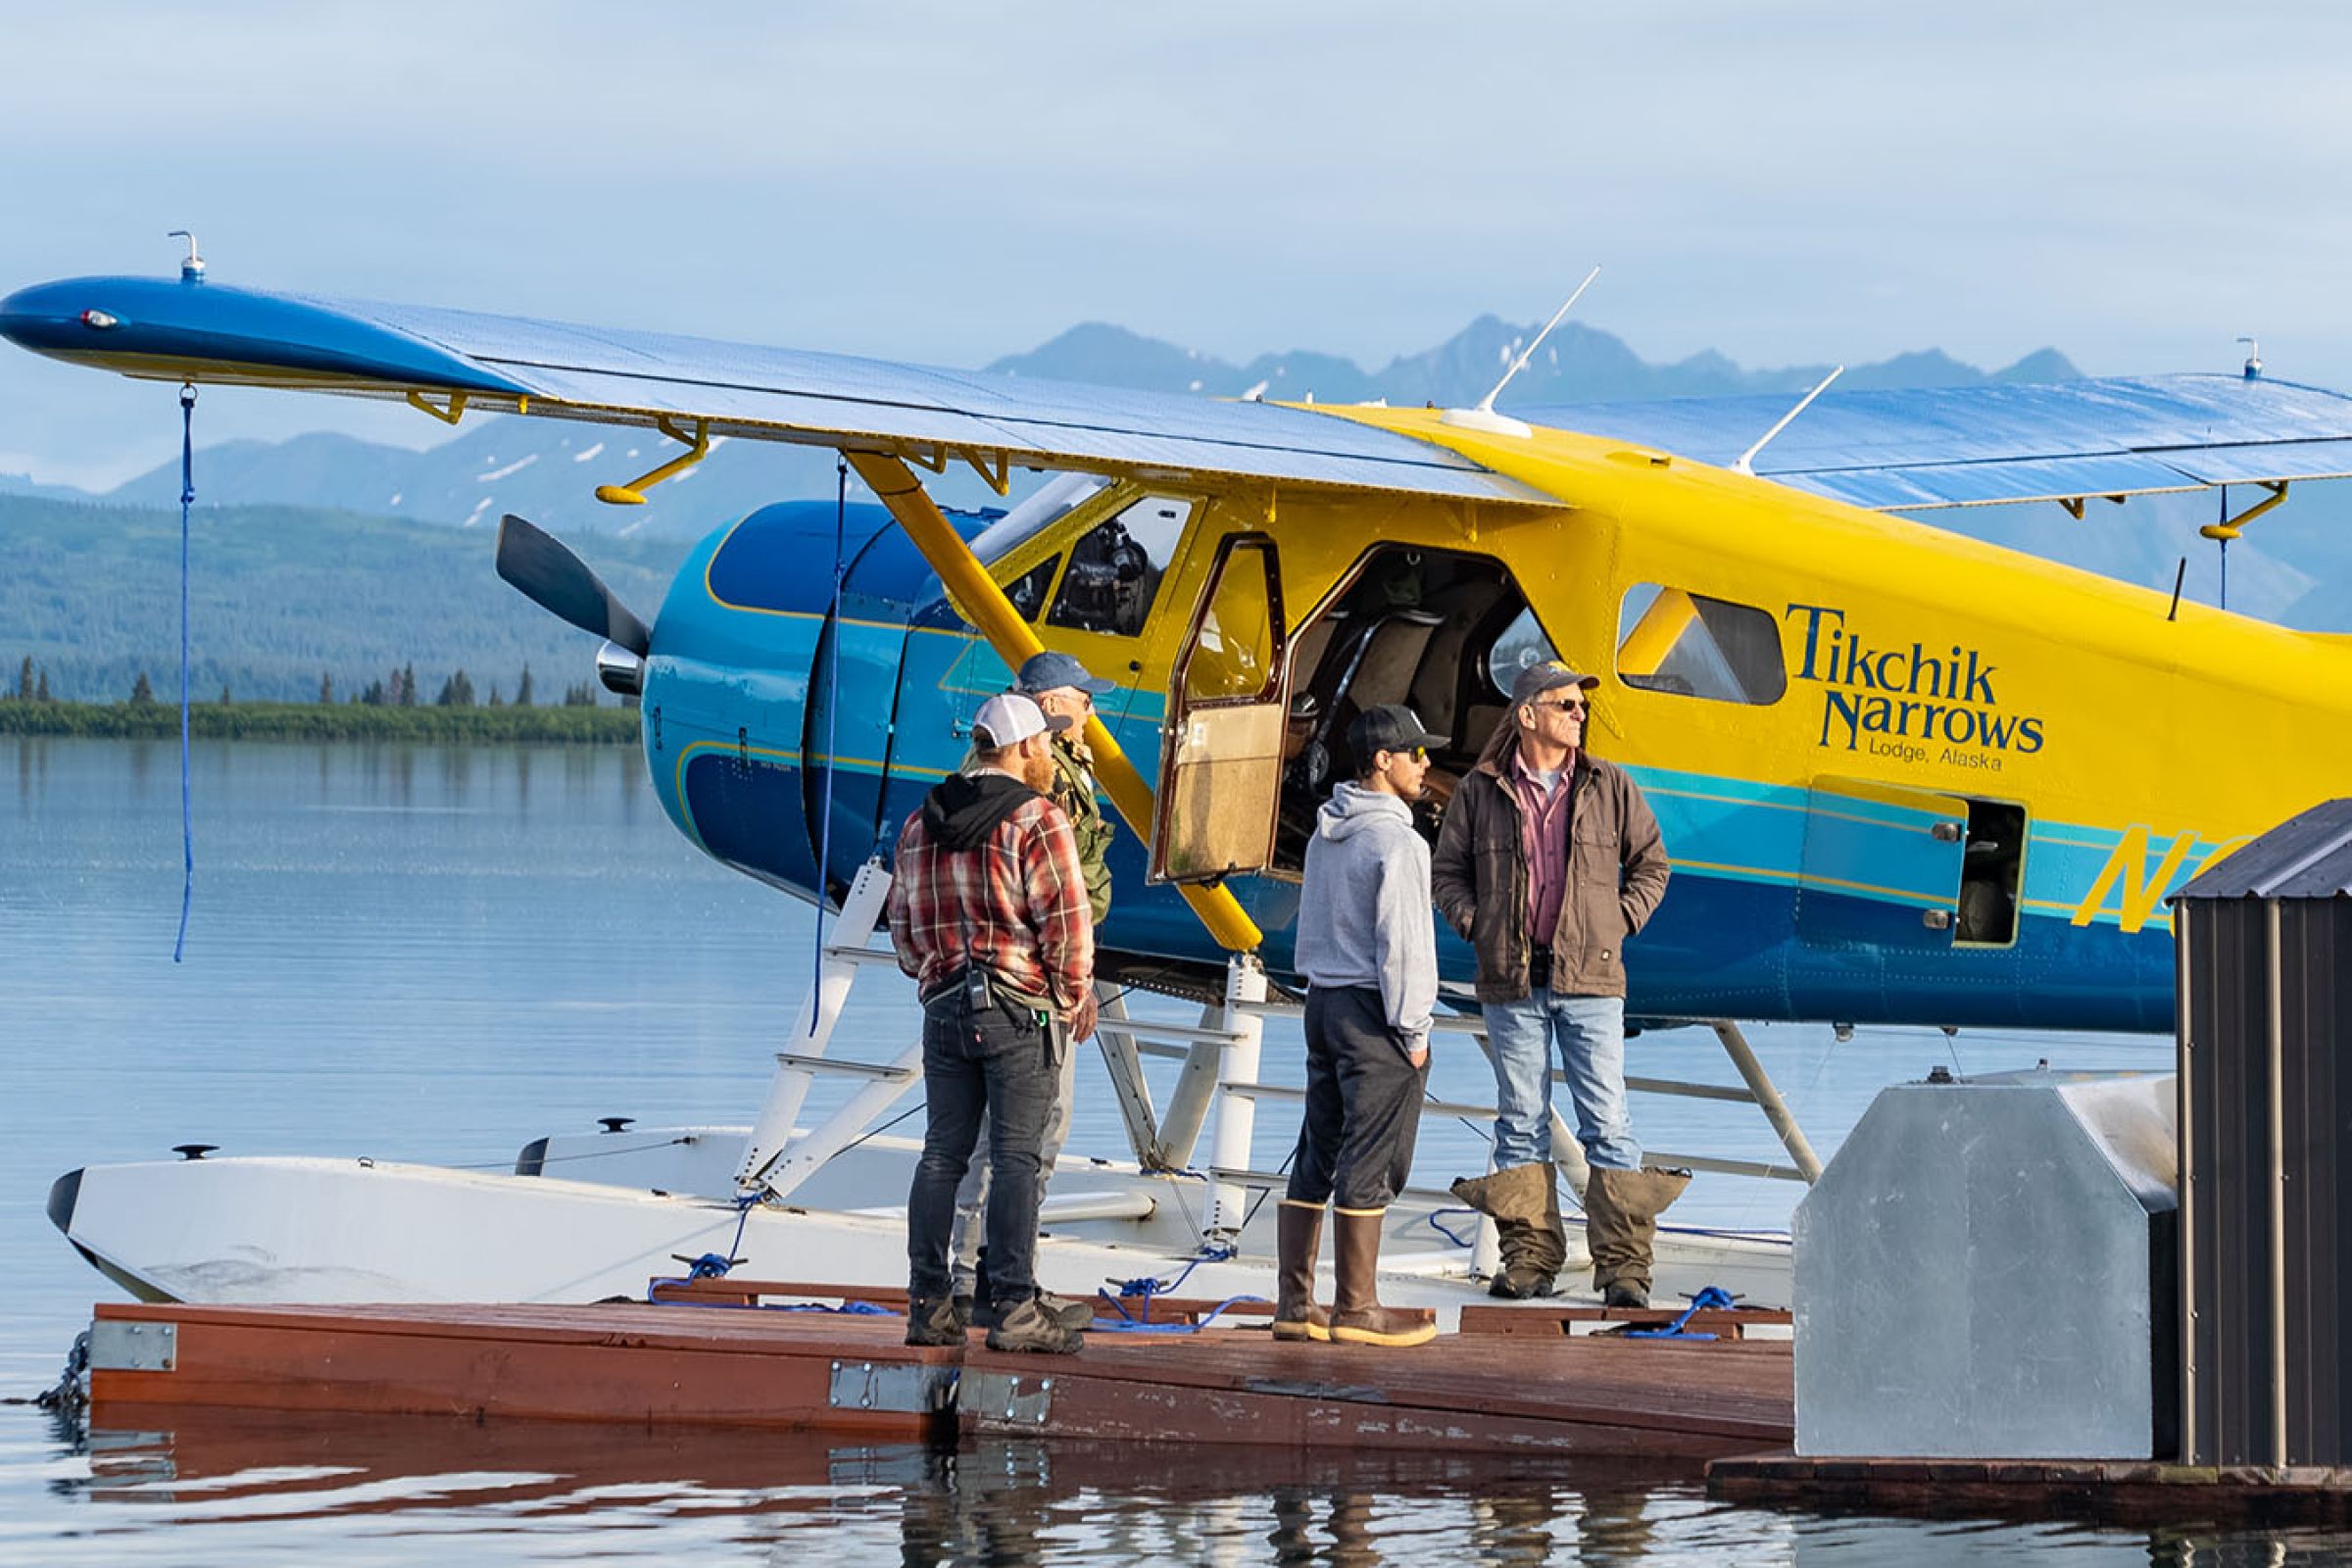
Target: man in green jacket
(1061, 686)
(1549, 860)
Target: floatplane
(1905, 778)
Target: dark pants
(999, 1062)
(1363, 1103)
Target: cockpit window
(1116, 569)
(1522, 645)
(1052, 501)
(1670, 640)
(1027, 592)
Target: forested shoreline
(323, 722)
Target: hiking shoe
(1031, 1326)
(1517, 1284)
(1625, 1295)
(1061, 1309)
(934, 1320)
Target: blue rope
(824, 831)
(188, 814)
(1127, 1323)
(1148, 1286)
(846, 1308)
(1436, 1225)
(1709, 1296)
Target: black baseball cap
(1389, 727)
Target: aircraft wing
(216, 332)
(1908, 450)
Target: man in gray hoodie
(1368, 947)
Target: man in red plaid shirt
(988, 910)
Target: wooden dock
(1515, 1381)
(2134, 1492)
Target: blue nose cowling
(768, 723)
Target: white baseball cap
(1011, 718)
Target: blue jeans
(995, 1063)
(1590, 1031)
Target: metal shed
(2263, 945)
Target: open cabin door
(1882, 864)
(1220, 771)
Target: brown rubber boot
(1356, 1315)
(1298, 1238)
(1621, 1221)
(1525, 1204)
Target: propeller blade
(557, 580)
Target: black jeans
(997, 1059)
(1363, 1103)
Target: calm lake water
(438, 955)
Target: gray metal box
(1987, 1270)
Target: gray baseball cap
(1550, 675)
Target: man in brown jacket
(1549, 860)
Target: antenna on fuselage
(1747, 459)
(1483, 417)
(2253, 359)
(191, 271)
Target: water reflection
(498, 1492)
(32, 770)
(995, 1501)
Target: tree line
(315, 722)
(397, 689)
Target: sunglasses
(1570, 706)
(1419, 753)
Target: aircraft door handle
(1946, 832)
(1937, 919)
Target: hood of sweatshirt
(964, 809)
(1351, 809)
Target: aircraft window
(1522, 645)
(1668, 640)
(1116, 566)
(1056, 499)
(1027, 592)
(1234, 657)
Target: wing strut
(976, 593)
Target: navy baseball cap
(1051, 671)
(1550, 675)
(1389, 727)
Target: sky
(1803, 181)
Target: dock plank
(585, 1363)
(705, 1366)
(1576, 1395)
